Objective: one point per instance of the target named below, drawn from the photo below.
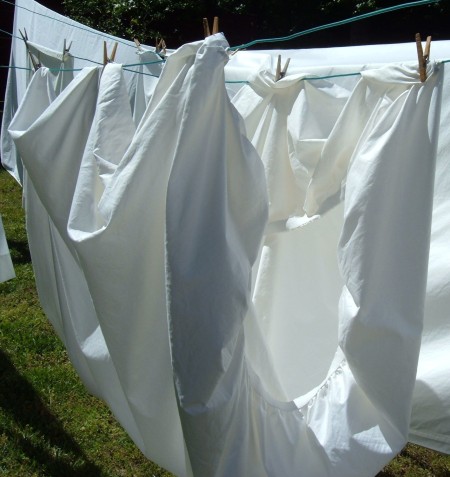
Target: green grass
(49, 424)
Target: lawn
(49, 424)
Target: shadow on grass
(19, 251)
(36, 432)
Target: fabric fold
(61, 282)
(352, 423)
(383, 251)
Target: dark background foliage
(179, 21)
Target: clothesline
(75, 69)
(126, 68)
(89, 60)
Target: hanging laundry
(357, 419)
(59, 78)
(60, 282)
(430, 417)
(110, 206)
(430, 423)
(60, 64)
(284, 120)
(73, 306)
(305, 250)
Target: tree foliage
(180, 21)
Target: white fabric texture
(57, 81)
(6, 265)
(430, 422)
(289, 129)
(61, 285)
(358, 417)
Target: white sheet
(96, 145)
(146, 81)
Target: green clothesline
(336, 24)
(306, 78)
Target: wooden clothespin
(215, 28)
(160, 47)
(281, 73)
(36, 62)
(106, 58)
(138, 45)
(423, 56)
(66, 49)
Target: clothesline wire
(309, 78)
(93, 61)
(306, 78)
(75, 69)
(336, 24)
(243, 46)
(126, 67)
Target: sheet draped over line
(68, 295)
(104, 183)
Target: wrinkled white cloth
(6, 266)
(357, 418)
(430, 422)
(60, 281)
(59, 75)
(112, 170)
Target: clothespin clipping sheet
(423, 56)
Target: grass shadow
(36, 432)
(19, 251)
